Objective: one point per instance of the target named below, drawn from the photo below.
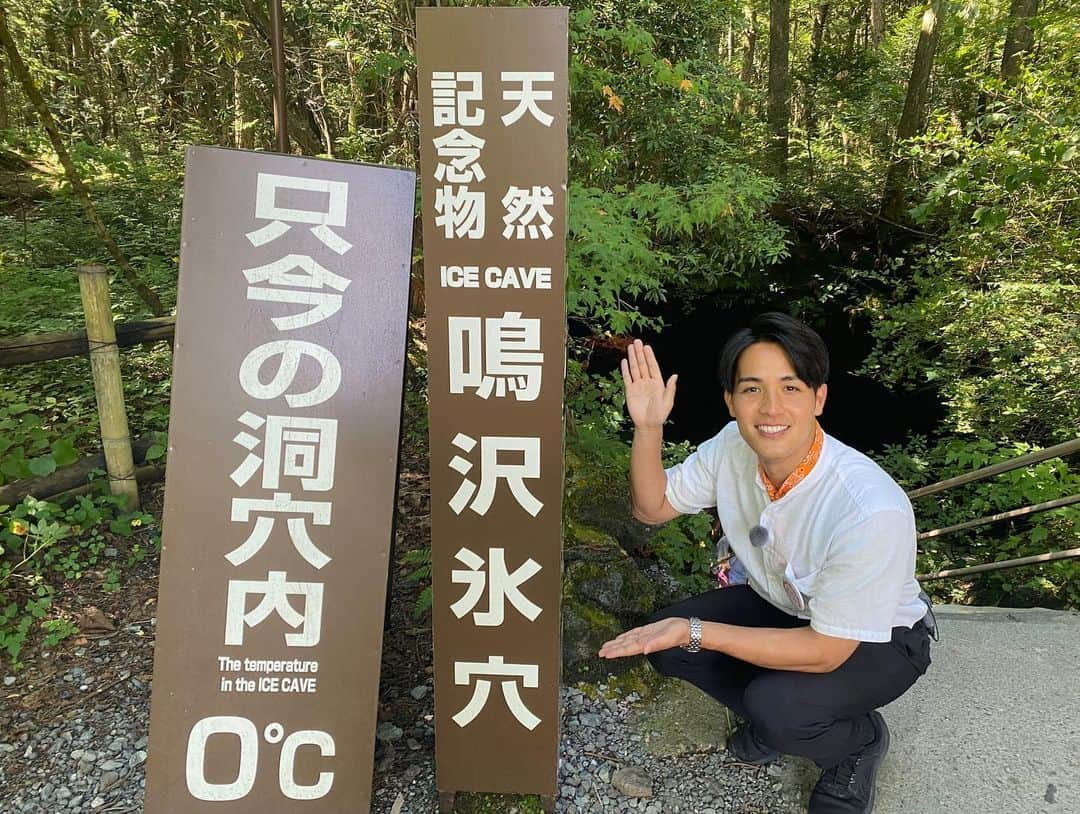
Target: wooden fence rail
(22, 350)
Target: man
(830, 625)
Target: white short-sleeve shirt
(840, 546)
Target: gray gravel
(85, 750)
(601, 754)
(86, 753)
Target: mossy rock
(596, 500)
(680, 719)
(585, 628)
(604, 593)
(617, 587)
(599, 572)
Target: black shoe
(848, 787)
(745, 748)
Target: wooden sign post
(493, 125)
(283, 444)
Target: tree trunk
(91, 66)
(877, 22)
(351, 70)
(1020, 39)
(308, 137)
(778, 106)
(912, 119)
(5, 118)
(172, 94)
(746, 72)
(817, 35)
(849, 43)
(146, 294)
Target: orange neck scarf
(801, 471)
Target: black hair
(800, 342)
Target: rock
(9, 680)
(612, 583)
(633, 782)
(604, 592)
(85, 762)
(680, 720)
(108, 780)
(388, 733)
(594, 498)
(589, 719)
(419, 692)
(585, 628)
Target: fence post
(105, 365)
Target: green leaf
(156, 451)
(14, 466)
(64, 452)
(43, 465)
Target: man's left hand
(662, 635)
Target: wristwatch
(694, 645)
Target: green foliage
(418, 563)
(988, 315)
(661, 204)
(25, 446)
(43, 543)
(599, 463)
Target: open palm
(651, 638)
(648, 399)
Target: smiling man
(830, 625)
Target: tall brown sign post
(493, 122)
(283, 442)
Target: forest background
(906, 169)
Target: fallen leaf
(399, 803)
(93, 623)
(615, 103)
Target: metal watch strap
(694, 645)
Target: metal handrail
(998, 566)
(1058, 451)
(993, 518)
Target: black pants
(821, 716)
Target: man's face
(774, 409)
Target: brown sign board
(493, 91)
(279, 496)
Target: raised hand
(671, 632)
(648, 399)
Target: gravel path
(606, 768)
(86, 749)
(74, 722)
(77, 742)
